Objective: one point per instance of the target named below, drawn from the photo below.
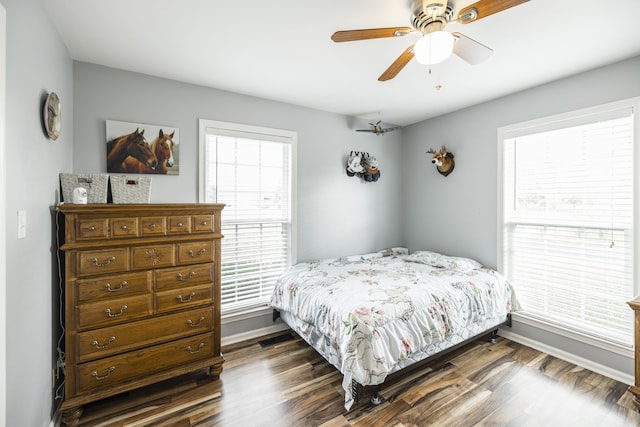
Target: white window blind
(250, 170)
(568, 216)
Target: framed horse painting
(142, 148)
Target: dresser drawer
(114, 310)
(155, 256)
(87, 229)
(181, 277)
(103, 261)
(153, 226)
(104, 373)
(125, 337)
(203, 224)
(180, 224)
(177, 299)
(114, 286)
(124, 227)
(195, 252)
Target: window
(252, 171)
(568, 221)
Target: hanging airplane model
(378, 129)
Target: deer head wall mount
(443, 160)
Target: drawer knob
(100, 347)
(179, 224)
(91, 228)
(196, 254)
(204, 222)
(187, 299)
(123, 227)
(110, 314)
(99, 377)
(152, 226)
(195, 325)
(104, 264)
(192, 351)
(108, 287)
(182, 278)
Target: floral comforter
(371, 315)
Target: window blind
(568, 223)
(252, 175)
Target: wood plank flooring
(288, 384)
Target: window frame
(572, 118)
(258, 133)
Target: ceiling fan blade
(371, 33)
(397, 65)
(470, 50)
(483, 8)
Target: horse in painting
(130, 145)
(162, 148)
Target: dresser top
(133, 208)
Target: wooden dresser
(635, 388)
(141, 297)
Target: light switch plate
(22, 224)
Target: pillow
(442, 261)
(372, 255)
(393, 251)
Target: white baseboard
(569, 357)
(545, 348)
(232, 339)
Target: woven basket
(130, 190)
(95, 184)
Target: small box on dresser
(141, 297)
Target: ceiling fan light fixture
(434, 47)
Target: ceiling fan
(429, 18)
(378, 129)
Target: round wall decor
(51, 116)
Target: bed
(375, 314)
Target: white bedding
(372, 315)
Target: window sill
(621, 349)
(246, 313)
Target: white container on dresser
(141, 297)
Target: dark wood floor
(289, 384)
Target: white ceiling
(281, 49)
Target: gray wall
(411, 205)
(37, 63)
(337, 214)
(458, 214)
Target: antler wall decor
(443, 160)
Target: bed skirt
(327, 348)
